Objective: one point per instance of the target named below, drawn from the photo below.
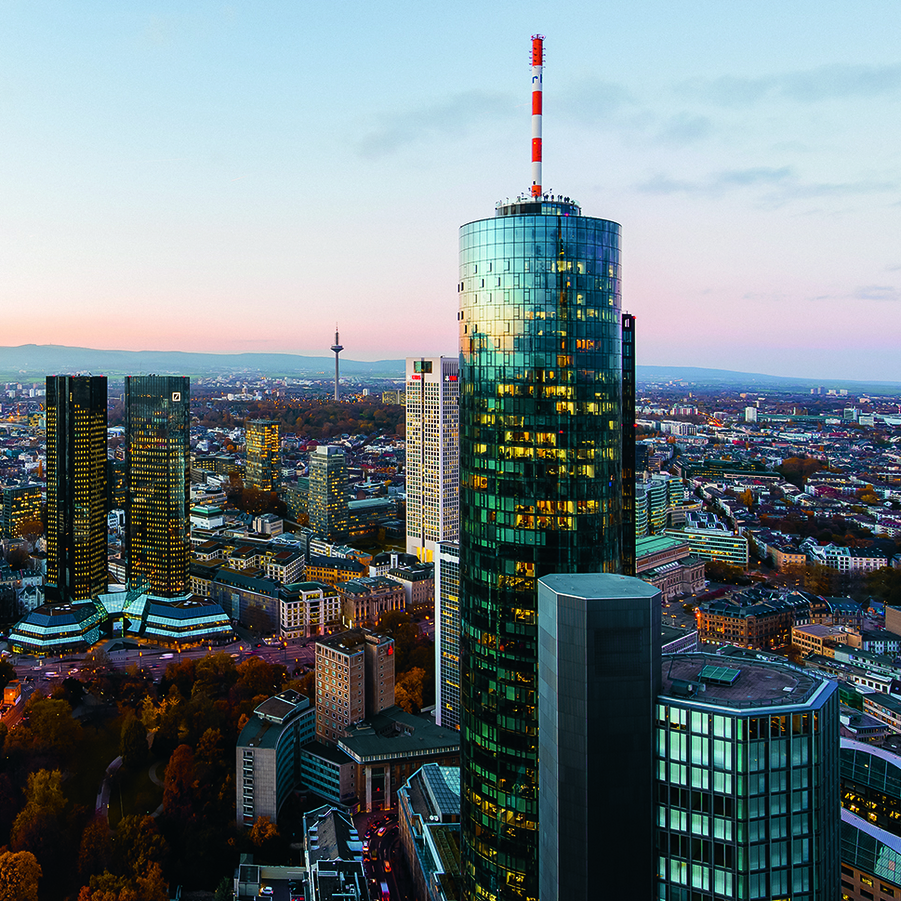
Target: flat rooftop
(760, 683)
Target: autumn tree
(96, 849)
(133, 743)
(178, 785)
(19, 876)
(137, 845)
(408, 690)
(38, 827)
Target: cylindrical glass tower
(540, 493)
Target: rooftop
(759, 683)
(394, 734)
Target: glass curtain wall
(540, 493)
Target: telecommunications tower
(336, 348)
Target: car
(381, 830)
(266, 890)
(387, 866)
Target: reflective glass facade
(328, 493)
(157, 430)
(540, 493)
(747, 785)
(262, 447)
(76, 487)
(447, 635)
(871, 821)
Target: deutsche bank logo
(176, 397)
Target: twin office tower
(157, 460)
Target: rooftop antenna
(336, 348)
(537, 70)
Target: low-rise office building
(333, 854)
(816, 639)
(429, 825)
(714, 543)
(389, 747)
(418, 582)
(364, 600)
(669, 565)
(749, 625)
(307, 609)
(268, 755)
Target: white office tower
(433, 454)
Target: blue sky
(240, 176)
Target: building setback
(157, 432)
(76, 487)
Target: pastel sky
(240, 176)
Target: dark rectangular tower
(157, 431)
(76, 487)
(628, 451)
(598, 677)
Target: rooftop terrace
(759, 683)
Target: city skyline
(170, 171)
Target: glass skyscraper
(262, 447)
(328, 493)
(540, 493)
(158, 466)
(76, 487)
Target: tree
(885, 584)
(7, 673)
(51, 727)
(133, 743)
(38, 827)
(96, 849)
(30, 530)
(262, 831)
(408, 690)
(178, 786)
(19, 876)
(137, 844)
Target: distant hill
(724, 378)
(32, 362)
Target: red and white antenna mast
(537, 69)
